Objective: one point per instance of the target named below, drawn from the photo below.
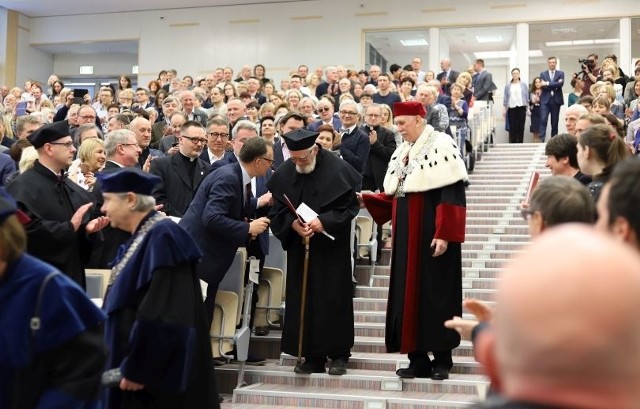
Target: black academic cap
(128, 180)
(300, 139)
(49, 133)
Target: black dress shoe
(338, 367)
(309, 368)
(439, 374)
(261, 331)
(414, 372)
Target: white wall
(32, 63)
(68, 65)
(282, 36)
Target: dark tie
(247, 200)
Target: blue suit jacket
(555, 87)
(214, 220)
(337, 124)
(261, 188)
(7, 167)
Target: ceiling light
(535, 53)
(582, 42)
(607, 41)
(558, 43)
(491, 38)
(414, 42)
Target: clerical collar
(187, 158)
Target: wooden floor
(495, 232)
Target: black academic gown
(156, 329)
(330, 191)
(68, 347)
(51, 203)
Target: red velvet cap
(413, 108)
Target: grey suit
(483, 86)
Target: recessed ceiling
(47, 8)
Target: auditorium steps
(495, 233)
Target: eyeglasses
(352, 113)
(374, 115)
(88, 117)
(325, 109)
(130, 144)
(195, 140)
(301, 159)
(216, 135)
(526, 213)
(268, 160)
(67, 145)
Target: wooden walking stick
(305, 273)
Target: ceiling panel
(46, 8)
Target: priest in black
(156, 329)
(182, 172)
(59, 209)
(327, 185)
(424, 197)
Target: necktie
(344, 130)
(247, 200)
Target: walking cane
(305, 272)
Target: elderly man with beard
(327, 185)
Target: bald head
(565, 321)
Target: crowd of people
(91, 182)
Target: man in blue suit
(219, 217)
(552, 98)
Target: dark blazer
(7, 167)
(554, 87)
(453, 76)
(380, 153)
(176, 191)
(261, 189)
(205, 155)
(354, 148)
(278, 156)
(157, 132)
(483, 86)
(323, 88)
(215, 220)
(337, 124)
(166, 143)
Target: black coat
(330, 191)
(51, 203)
(176, 190)
(380, 153)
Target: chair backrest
(233, 280)
(97, 282)
(277, 257)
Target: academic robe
(156, 328)
(424, 199)
(69, 345)
(330, 191)
(50, 203)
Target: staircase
(495, 232)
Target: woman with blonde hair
(387, 122)
(292, 98)
(92, 159)
(464, 79)
(312, 83)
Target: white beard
(305, 170)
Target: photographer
(590, 72)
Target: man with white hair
(448, 76)
(353, 142)
(330, 86)
(571, 116)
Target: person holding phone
(92, 159)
